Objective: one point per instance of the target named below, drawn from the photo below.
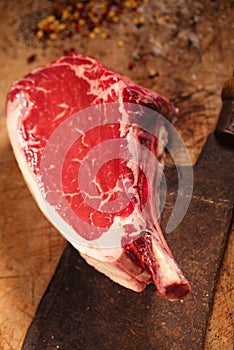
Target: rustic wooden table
(183, 50)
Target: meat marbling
(38, 105)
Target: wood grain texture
(190, 73)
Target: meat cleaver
(82, 309)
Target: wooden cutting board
(30, 248)
(82, 309)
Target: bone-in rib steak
(38, 106)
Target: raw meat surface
(38, 105)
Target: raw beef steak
(85, 142)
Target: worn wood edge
(221, 334)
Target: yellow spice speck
(94, 20)
(65, 14)
(115, 19)
(111, 14)
(81, 22)
(76, 15)
(120, 43)
(61, 27)
(160, 20)
(96, 30)
(50, 19)
(40, 34)
(79, 5)
(92, 35)
(41, 24)
(103, 36)
(53, 36)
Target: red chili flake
(67, 51)
(143, 60)
(57, 7)
(85, 35)
(68, 34)
(131, 66)
(31, 58)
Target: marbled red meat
(38, 106)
